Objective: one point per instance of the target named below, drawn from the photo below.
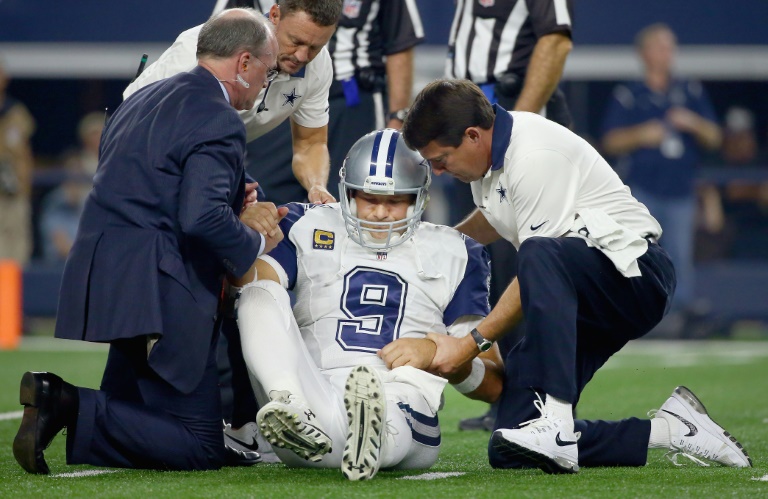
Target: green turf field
(731, 378)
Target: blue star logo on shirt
(502, 193)
(291, 98)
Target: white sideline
(11, 415)
(432, 476)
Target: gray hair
(232, 31)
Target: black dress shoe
(50, 404)
(482, 423)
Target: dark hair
(231, 31)
(321, 12)
(443, 110)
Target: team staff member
(372, 53)
(515, 51)
(298, 92)
(158, 233)
(591, 276)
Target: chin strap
(368, 238)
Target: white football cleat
(694, 435)
(288, 422)
(544, 442)
(248, 440)
(367, 415)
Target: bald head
(233, 31)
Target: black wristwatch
(399, 114)
(482, 344)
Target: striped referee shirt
(493, 37)
(370, 30)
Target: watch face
(485, 346)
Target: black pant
(579, 311)
(138, 420)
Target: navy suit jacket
(161, 226)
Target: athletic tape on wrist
(474, 379)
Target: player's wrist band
(474, 379)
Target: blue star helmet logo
(502, 193)
(291, 98)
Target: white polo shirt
(303, 97)
(542, 175)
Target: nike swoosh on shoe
(691, 427)
(254, 446)
(563, 443)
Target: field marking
(432, 476)
(51, 344)
(670, 353)
(762, 479)
(78, 474)
(11, 415)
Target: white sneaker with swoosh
(544, 442)
(695, 435)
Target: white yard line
(50, 344)
(432, 476)
(78, 474)
(667, 353)
(11, 415)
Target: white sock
(269, 335)
(397, 439)
(560, 409)
(660, 434)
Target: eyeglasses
(271, 73)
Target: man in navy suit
(168, 217)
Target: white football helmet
(380, 163)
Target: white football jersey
(303, 96)
(352, 301)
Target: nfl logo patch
(381, 255)
(323, 240)
(487, 3)
(351, 8)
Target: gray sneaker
(248, 444)
(287, 422)
(367, 415)
(696, 436)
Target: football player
(370, 279)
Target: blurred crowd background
(63, 67)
